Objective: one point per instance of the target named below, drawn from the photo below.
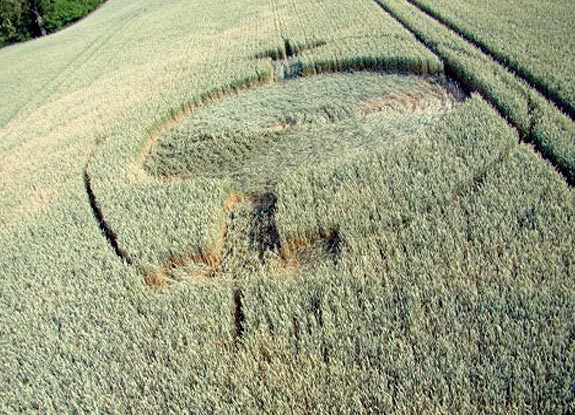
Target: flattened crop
(257, 138)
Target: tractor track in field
(525, 135)
(41, 95)
(520, 73)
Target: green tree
(25, 19)
(13, 25)
(58, 13)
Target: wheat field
(292, 206)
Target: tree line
(21, 20)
